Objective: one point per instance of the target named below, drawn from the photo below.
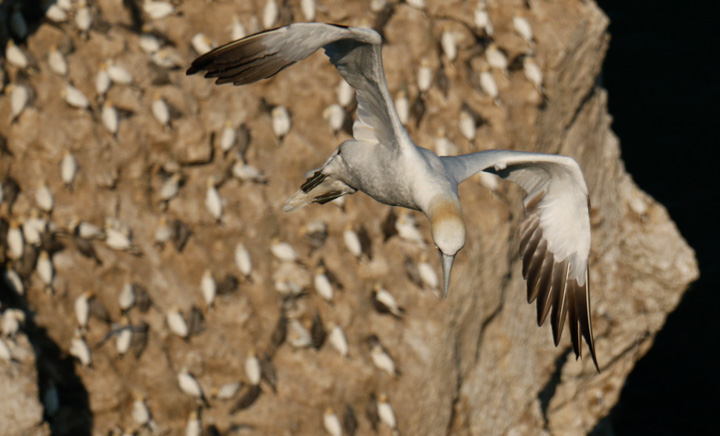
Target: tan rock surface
(474, 364)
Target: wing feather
(356, 53)
(554, 236)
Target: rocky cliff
(473, 364)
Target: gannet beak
(447, 263)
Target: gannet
(533, 73)
(83, 18)
(384, 302)
(176, 322)
(385, 412)
(243, 259)
(160, 110)
(427, 273)
(482, 19)
(44, 198)
(496, 58)
(19, 98)
(102, 80)
(335, 116)
(237, 30)
(80, 350)
(338, 340)
(228, 390)
(82, 309)
(140, 411)
(14, 282)
(382, 359)
(208, 286)
(118, 74)
(345, 93)
(110, 118)
(213, 201)
(124, 336)
(298, 335)
(308, 9)
(281, 122)
(424, 75)
(68, 169)
(57, 62)
(523, 28)
(283, 251)
(11, 320)
(170, 189)
(352, 241)
(448, 45)
(15, 56)
(228, 137)
(157, 10)
(56, 14)
(189, 385)
(247, 173)
(270, 14)
(74, 97)
(46, 271)
(194, 425)
(6, 353)
(322, 284)
(15, 241)
(332, 422)
(383, 162)
(126, 297)
(201, 43)
(252, 368)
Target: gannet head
(448, 231)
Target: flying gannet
(382, 161)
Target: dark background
(664, 93)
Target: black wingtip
(594, 358)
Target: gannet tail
(318, 188)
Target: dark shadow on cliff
(54, 368)
(664, 96)
(33, 12)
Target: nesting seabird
(213, 201)
(118, 74)
(338, 340)
(237, 30)
(308, 9)
(80, 350)
(189, 385)
(243, 260)
(46, 271)
(68, 169)
(252, 368)
(19, 99)
(74, 97)
(57, 62)
(331, 422)
(386, 413)
(384, 302)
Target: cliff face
(474, 364)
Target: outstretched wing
(554, 236)
(356, 53)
